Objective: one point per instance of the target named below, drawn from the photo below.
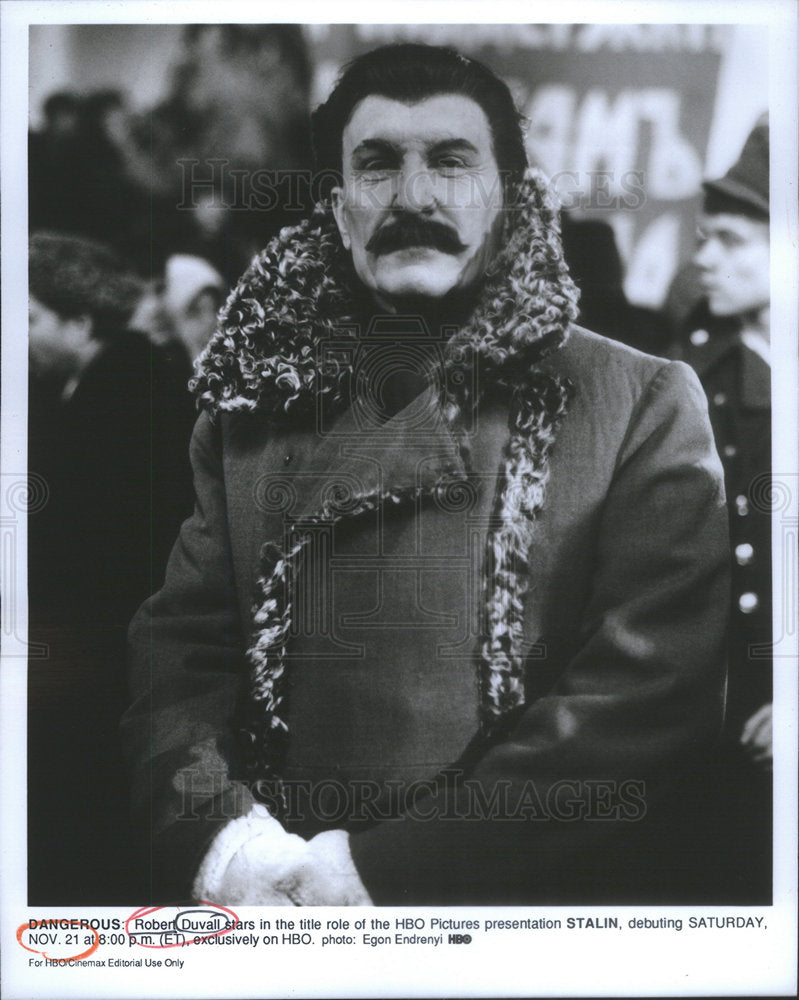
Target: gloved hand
(325, 875)
(253, 861)
(757, 737)
(246, 860)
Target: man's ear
(337, 200)
(79, 329)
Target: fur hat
(74, 276)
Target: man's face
(196, 322)
(733, 261)
(53, 341)
(421, 204)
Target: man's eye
(375, 166)
(730, 240)
(450, 162)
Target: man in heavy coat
(448, 620)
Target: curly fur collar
(298, 291)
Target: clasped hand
(274, 868)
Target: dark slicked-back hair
(412, 73)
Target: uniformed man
(729, 347)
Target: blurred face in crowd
(420, 208)
(733, 260)
(197, 321)
(55, 343)
(116, 124)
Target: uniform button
(720, 399)
(741, 505)
(286, 459)
(748, 602)
(699, 337)
(744, 554)
(730, 451)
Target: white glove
(246, 860)
(253, 861)
(326, 875)
(757, 736)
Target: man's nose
(415, 190)
(705, 255)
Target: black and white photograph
(399, 500)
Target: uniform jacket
(735, 795)
(737, 382)
(499, 599)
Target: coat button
(286, 459)
(741, 505)
(744, 554)
(699, 337)
(730, 451)
(748, 602)
(720, 399)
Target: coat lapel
(361, 462)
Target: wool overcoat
(483, 632)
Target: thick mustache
(415, 231)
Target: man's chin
(417, 282)
(722, 307)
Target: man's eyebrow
(385, 146)
(722, 230)
(374, 146)
(453, 144)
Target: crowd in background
(173, 179)
(118, 198)
(135, 242)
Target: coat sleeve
(638, 698)
(186, 663)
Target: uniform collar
(755, 374)
(705, 349)
(704, 353)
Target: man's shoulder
(613, 382)
(584, 342)
(589, 357)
